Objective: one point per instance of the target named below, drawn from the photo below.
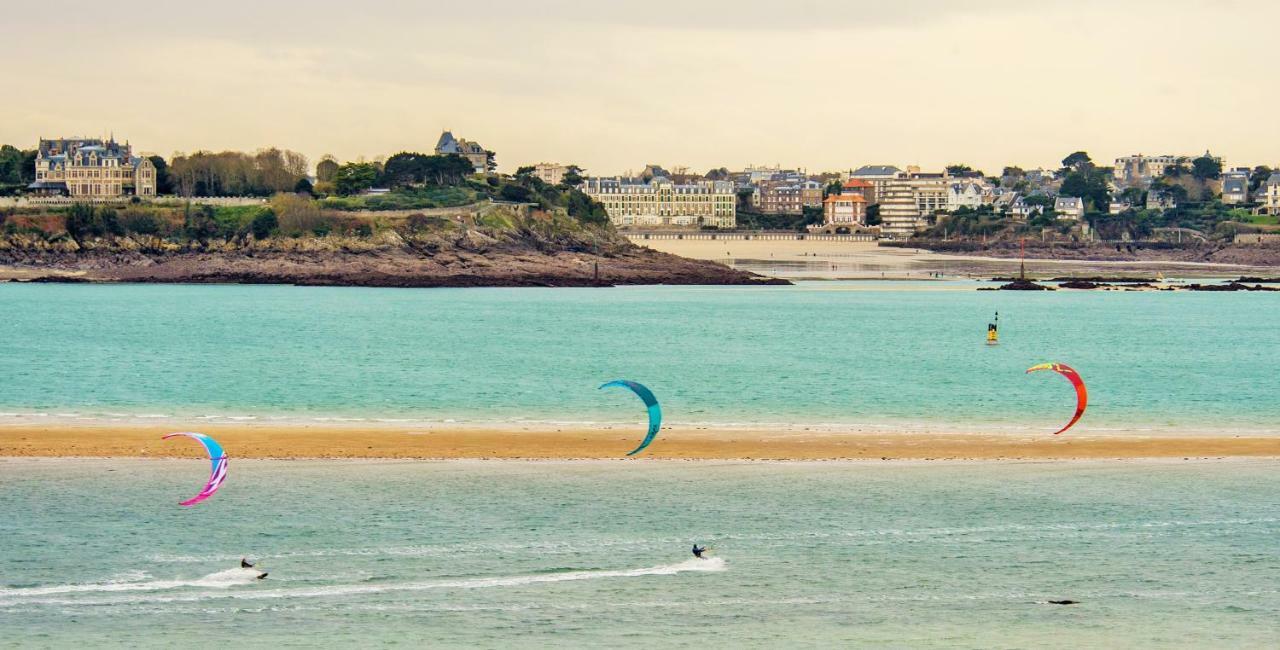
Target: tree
(1077, 161)
(718, 174)
(490, 162)
(572, 176)
(303, 186)
(327, 169)
(959, 169)
(515, 193)
(873, 214)
(1013, 172)
(525, 170)
(1259, 177)
(1089, 183)
(353, 178)
(585, 209)
(11, 165)
(1040, 200)
(1206, 167)
(164, 185)
(1134, 196)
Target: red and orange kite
(1082, 394)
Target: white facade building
(660, 202)
(1069, 207)
(911, 202)
(1139, 169)
(1271, 200)
(967, 195)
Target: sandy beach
(837, 260)
(304, 441)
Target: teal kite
(655, 412)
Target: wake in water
(218, 580)
(222, 580)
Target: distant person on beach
(697, 552)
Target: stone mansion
(92, 168)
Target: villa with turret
(91, 168)
(478, 156)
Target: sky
(818, 84)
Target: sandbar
(294, 441)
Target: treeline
(236, 173)
(405, 169)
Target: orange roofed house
(847, 210)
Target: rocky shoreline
(1123, 285)
(1192, 252)
(466, 259)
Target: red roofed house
(847, 210)
(860, 187)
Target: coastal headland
(297, 441)
(483, 245)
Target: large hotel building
(93, 169)
(660, 202)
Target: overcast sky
(822, 84)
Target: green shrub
(265, 224)
(140, 222)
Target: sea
(897, 356)
(499, 554)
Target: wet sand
(300, 441)
(836, 260)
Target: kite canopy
(655, 413)
(1082, 394)
(217, 470)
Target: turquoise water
(519, 554)
(843, 354)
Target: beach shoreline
(811, 259)
(573, 443)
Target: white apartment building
(911, 202)
(550, 173)
(660, 202)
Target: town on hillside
(1136, 197)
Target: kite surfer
(698, 551)
(246, 564)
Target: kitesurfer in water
(698, 551)
(246, 564)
